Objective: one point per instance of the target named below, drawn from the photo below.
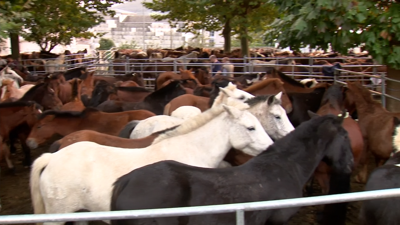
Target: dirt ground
(15, 196)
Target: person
(216, 67)
(227, 67)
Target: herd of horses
(197, 140)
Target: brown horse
(87, 84)
(13, 114)
(203, 76)
(76, 103)
(131, 93)
(333, 103)
(184, 75)
(187, 100)
(376, 122)
(89, 119)
(45, 94)
(271, 86)
(103, 139)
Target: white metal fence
(238, 208)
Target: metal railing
(238, 208)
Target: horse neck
(299, 164)
(69, 125)
(364, 105)
(329, 108)
(210, 152)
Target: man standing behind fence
(227, 67)
(216, 66)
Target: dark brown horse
(184, 75)
(50, 123)
(12, 115)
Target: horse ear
(278, 96)
(224, 91)
(232, 111)
(312, 114)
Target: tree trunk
(14, 39)
(226, 32)
(393, 89)
(244, 44)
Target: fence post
(311, 63)
(383, 95)
(245, 64)
(175, 66)
(240, 217)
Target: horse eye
(251, 128)
(277, 117)
(241, 97)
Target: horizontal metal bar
(200, 210)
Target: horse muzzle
(31, 142)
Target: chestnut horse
(13, 114)
(103, 139)
(76, 103)
(375, 121)
(187, 100)
(50, 123)
(271, 86)
(10, 93)
(333, 103)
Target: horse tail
(55, 146)
(166, 109)
(127, 130)
(37, 168)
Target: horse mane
(263, 83)
(288, 79)
(68, 114)
(165, 130)
(75, 86)
(167, 89)
(332, 94)
(133, 89)
(258, 99)
(191, 124)
(30, 93)
(18, 104)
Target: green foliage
(106, 44)
(58, 21)
(12, 14)
(131, 45)
(340, 24)
(243, 16)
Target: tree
(106, 44)
(58, 21)
(342, 25)
(230, 16)
(128, 45)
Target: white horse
(86, 183)
(54, 65)
(229, 95)
(185, 59)
(309, 82)
(185, 112)
(8, 74)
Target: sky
(134, 6)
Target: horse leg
(12, 139)
(22, 136)
(5, 151)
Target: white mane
(396, 139)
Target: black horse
(384, 211)
(280, 172)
